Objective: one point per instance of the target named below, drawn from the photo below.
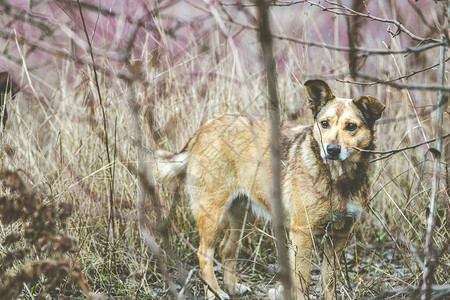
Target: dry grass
(55, 141)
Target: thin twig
(216, 295)
(440, 290)
(105, 129)
(413, 73)
(410, 86)
(393, 151)
(186, 283)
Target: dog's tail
(167, 165)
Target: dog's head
(341, 124)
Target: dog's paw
(242, 289)
(276, 293)
(210, 295)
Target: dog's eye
(351, 127)
(324, 124)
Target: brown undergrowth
(39, 237)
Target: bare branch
(274, 111)
(413, 73)
(354, 24)
(363, 52)
(399, 25)
(425, 291)
(147, 186)
(391, 152)
(411, 86)
(343, 10)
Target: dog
(226, 167)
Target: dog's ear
(370, 107)
(319, 93)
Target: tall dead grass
(56, 140)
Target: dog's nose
(333, 150)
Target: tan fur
(227, 168)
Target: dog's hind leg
(208, 213)
(228, 252)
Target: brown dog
(227, 168)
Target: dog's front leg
(300, 256)
(335, 242)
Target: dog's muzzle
(333, 151)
